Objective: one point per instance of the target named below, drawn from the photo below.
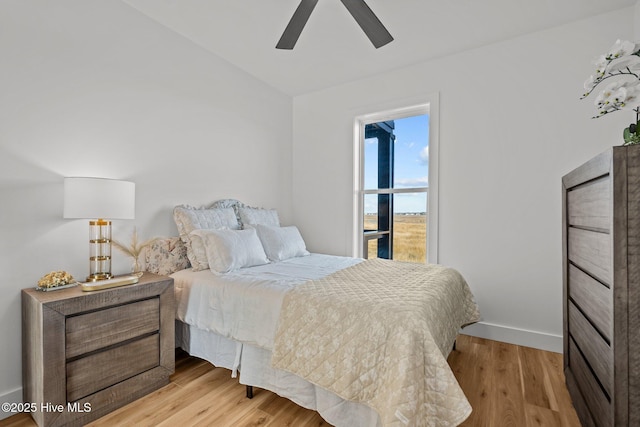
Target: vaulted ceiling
(332, 48)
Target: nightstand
(84, 354)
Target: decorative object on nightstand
(97, 199)
(622, 64)
(56, 280)
(133, 249)
(85, 354)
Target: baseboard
(523, 337)
(14, 396)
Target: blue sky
(411, 164)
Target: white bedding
(244, 305)
(231, 320)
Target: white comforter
(379, 333)
(244, 305)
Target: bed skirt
(253, 364)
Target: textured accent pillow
(229, 250)
(188, 218)
(166, 256)
(253, 216)
(281, 243)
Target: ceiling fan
(363, 15)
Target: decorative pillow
(188, 218)
(229, 250)
(166, 256)
(281, 243)
(253, 216)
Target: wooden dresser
(601, 280)
(88, 353)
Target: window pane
(410, 227)
(370, 212)
(372, 251)
(411, 153)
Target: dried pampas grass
(133, 249)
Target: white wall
(511, 125)
(636, 21)
(97, 89)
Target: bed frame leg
(454, 345)
(250, 392)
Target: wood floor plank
(507, 407)
(507, 385)
(554, 365)
(535, 391)
(165, 402)
(540, 417)
(474, 375)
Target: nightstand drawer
(101, 370)
(95, 330)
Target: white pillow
(253, 216)
(229, 250)
(188, 219)
(281, 243)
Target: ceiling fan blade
(369, 22)
(297, 23)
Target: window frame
(430, 107)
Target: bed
(363, 342)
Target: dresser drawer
(596, 351)
(588, 205)
(596, 400)
(103, 369)
(591, 251)
(594, 299)
(98, 329)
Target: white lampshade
(99, 198)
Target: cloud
(412, 182)
(424, 155)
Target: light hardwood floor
(507, 385)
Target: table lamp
(99, 200)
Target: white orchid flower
(621, 48)
(601, 63)
(627, 97)
(605, 101)
(630, 63)
(604, 97)
(620, 67)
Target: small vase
(135, 268)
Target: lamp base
(100, 250)
(99, 276)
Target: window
(395, 164)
